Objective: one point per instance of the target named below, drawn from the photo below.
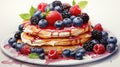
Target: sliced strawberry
(53, 16)
(75, 10)
(98, 27)
(53, 54)
(99, 49)
(42, 6)
(25, 50)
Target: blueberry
(67, 22)
(51, 7)
(39, 50)
(34, 20)
(112, 40)
(58, 8)
(66, 53)
(82, 50)
(19, 46)
(110, 47)
(77, 21)
(72, 17)
(20, 27)
(58, 24)
(43, 23)
(104, 34)
(18, 35)
(78, 56)
(72, 54)
(42, 56)
(37, 13)
(14, 44)
(33, 50)
(12, 40)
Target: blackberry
(18, 35)
(66, 14)
(104, 41)
(85, 17)
(65, 7)
(96, 34)
(34, 20)
(56, 3)
(88, 46)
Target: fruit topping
(42, 56)
(75, 10)
(78, 56)
(42, 6)
(18, 35)
(85, 17)
(66, 14)
(66, 53)
(77, 21)
(53, 16)
(67, 22)
(25, 50)
(99, 49)
(112, 40)
(110, 47)
(20, 27)
(98, 27)
(72, 54)
(53, 54)
(19, 46)
(66, 6)
(34, 20)
(81, 50)
(72, 17)
(58, 24)
(39, 50)
(58, 8)
(56, 3)
(12, 40)
(96, 34)
(88, 46)
(43, 23)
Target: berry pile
(101, 41)
(58, 15)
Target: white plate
(11, 52)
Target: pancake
(34, 41)
(55, 33)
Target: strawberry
(25, 50)
(75, 10)
(53, 16)
(42, 6)
(98, 27)
(53, 54)
(99, 49)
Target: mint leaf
(33, 55)
(73, 2)
(25, 16)
(32, 10)
(48, 10)
(82, 4)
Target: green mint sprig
(27, 16)
(33, 55)
(82, 4)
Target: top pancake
(55, 33)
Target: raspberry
(75, 10)
(25, 50)
(42, 6)
(53, 16)
(98, 27)
(53, 54)
(99, 49)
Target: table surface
(105, 12)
